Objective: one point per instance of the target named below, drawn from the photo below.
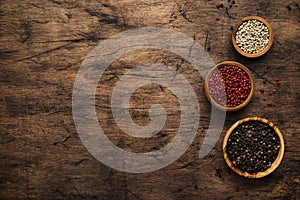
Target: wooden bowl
(267, 47)
(216, 104)
(274, 165)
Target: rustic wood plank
(43, 44)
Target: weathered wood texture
(42, 45)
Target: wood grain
(42, 45)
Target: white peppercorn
(252, 36)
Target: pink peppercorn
(262, 90)
(218, 18)
(271, 92)
(229, 86)
(270, 103)
(218, 5)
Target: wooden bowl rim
(274, 165)
(267, 47)
(217, 105)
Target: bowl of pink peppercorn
(229, 86)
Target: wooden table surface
(42, 46)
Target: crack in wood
(228, 14)
(207, 42)
(187, 165)
(62, 141)
(102, 17)
(44, 52)
(80, 161)
(183, 13)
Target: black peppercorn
(253, 146)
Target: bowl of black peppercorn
(253, 147)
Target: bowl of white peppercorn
(253, 147)
(252, 36)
